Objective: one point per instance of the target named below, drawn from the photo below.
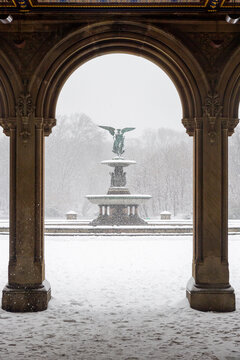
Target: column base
(210, 299)
(25, 299)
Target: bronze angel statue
(118, 137)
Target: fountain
(118, 206)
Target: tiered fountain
(118, 206)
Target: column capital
(48, 124)
(231, 124)
(7, 124)
(192, 124)
(189, 125)
(45, 124)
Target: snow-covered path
(120, 298)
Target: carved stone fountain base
(118, 206)
(118, 215)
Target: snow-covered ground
(120, 298)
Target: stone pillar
(136, 210)
(209, 287)
(27, 289)
(130, 210)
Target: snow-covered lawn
(120, 298)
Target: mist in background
(119, 91)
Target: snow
(120, 298)
(176, 227)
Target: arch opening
(102, 257)
(142, 96)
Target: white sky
(122, 90)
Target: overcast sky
(122, 90)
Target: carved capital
(40, 123)
(189, 125)
(232, 123)
(45, 124)
(8, 124)
(229, 124)
(48, 124)
(192, 124)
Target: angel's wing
(109, 128)
(127, 129)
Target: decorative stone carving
(212, 133)
(8, 124)
(212, 107)
(118, 177)
(24, 106)
(25, 133)
(189, 125)
(212, 110)
(48, 124)
(232, 123)
(24, 110)
(192, 124)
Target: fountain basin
(121, 199)
(118, 162)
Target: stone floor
(120, 298)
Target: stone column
(130, 210)
(27, 289)
(209, 287)
(136, 210)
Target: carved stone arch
(7, 96)
(203, 116)
(10, 81)
(229, 86)
(152, 43)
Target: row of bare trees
(164, 169)
(73, 168)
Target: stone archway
(209, 289)
(108, 37)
